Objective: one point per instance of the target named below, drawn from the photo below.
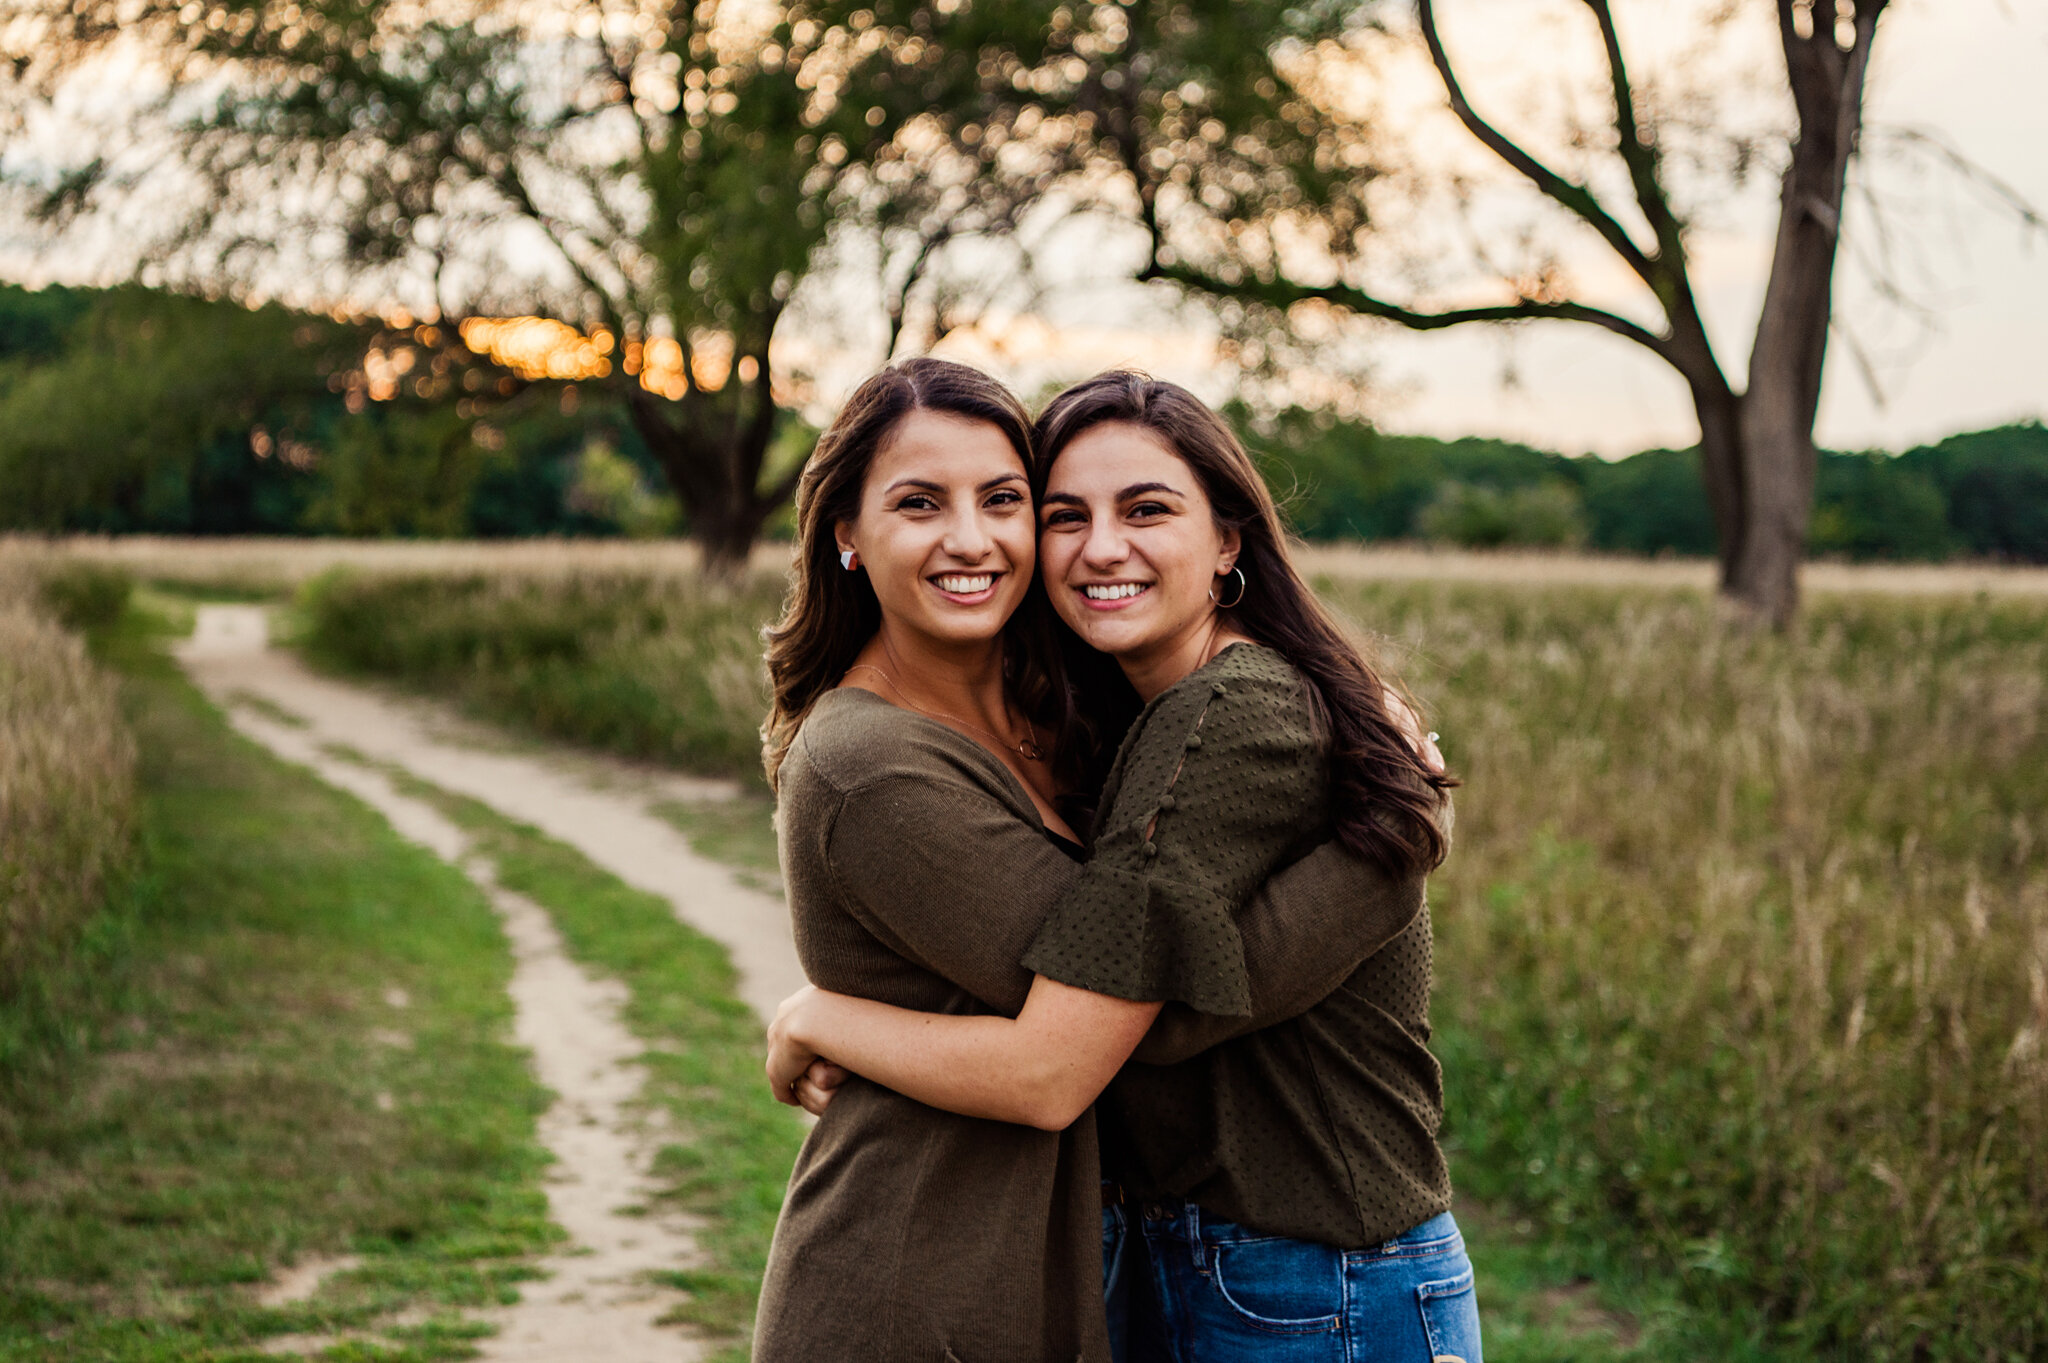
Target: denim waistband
(1199, 1229)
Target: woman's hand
(797, 1074)
(817, 1085)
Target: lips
(1112, 595)
(967, 588)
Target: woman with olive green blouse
(914, 758)
(1295, 1203)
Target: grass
(67, 793)
(731, 1144)
(234, 1101)
(1743, 949)
(652, 667)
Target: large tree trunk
(1778, 462)
(727, 534)
(715, 476)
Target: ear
(1233, 544)
(842, 536)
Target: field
(1743, 947)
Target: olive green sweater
(1320, 1127)
(918, 871)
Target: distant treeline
(1984, 494)
(133, 410)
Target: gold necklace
(1028, 749)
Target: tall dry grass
(1744, 944)
(67, 778)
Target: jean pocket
(1450, 1319)
(1281, 1286)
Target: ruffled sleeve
(1223, 780)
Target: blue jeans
(1203, 1290)
(1117, 1252)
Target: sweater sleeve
(1305, 932)
(949, 878)
(1221, 781)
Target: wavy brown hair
(1385, 797)
(830, 613)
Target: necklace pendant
(1030, 751)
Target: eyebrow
(1138, 489)
(1134, 490)
(929, 486)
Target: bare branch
(1575, 198)
(1282, 295)
(1971, 170)
(1641, 158)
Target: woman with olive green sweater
(922, 849)
(1295, 1201)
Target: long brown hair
(1385, 797)
(830, 613)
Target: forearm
(1042, 1068)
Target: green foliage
(1983, 494)
(1649, 503)
(397, 472)
(1996, 483)
(85, 595)
(122, 427)
(227, 1107)
(1548, 514)
(1873, 506)
(661, 668)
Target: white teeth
(1113, 592)
(960, 584)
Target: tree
(1757, 454)
(672, 183)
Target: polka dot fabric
(1223, 779)
(1322, 1127)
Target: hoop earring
(1241, 586)
(847, 559)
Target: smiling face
(1130, 549)
(945, 531)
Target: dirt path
(595, 1302)
(598, 806)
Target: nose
(967, 538)
(1106, 546)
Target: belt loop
(1191, 1218)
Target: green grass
(739, 832)
(732, 1145)
(1741, 949)
(293, 1045)
(656, 668)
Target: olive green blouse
(918, 871)
(1321, 1127)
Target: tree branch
(1642, 158)
(1281, 295)
(1575, 198)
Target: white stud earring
(846, 559)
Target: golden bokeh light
(542, 348)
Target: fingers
(825, 1075)
(811, 1098)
